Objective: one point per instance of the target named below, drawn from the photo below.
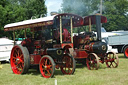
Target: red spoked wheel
(47, 66)
(126, 51)
(92, 61)
(112, 60)
(69, 64)
(20, 60)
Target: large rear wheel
(69, 64)
(47, 66)
(92, 61)
(112, 60)
(20, 60)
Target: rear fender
(68, 48)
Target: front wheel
(92, 61)
(69, 64)
(112, 60)
(47, 66)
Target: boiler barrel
(99, 47)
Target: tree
(35, 8)
(116, 11)
(12, 11)
(3, 5)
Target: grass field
(82, 76)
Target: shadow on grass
(101, 66)
(121, 55)
(58, 72)
(35, 71)
(80, 66)
(4, 62)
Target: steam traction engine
(47, 45)
(89, 48)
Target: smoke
(81, 7)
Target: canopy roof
(44, 21)
(93, 19)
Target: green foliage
(35, 8)
(116, 13)
(12, 11)
(3, 20)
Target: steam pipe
(98, 27)
(101, 7)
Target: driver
(65, 34)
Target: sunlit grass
(82, 76)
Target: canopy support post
(60, 30)
(14, 37)
(71, 31)
(90, 25)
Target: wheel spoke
(21, 56)
(48, 72)
(115, 64)
(49, 66)
(13, 57)
(18, 53)
(43, 64)
(46, 62)
(112, 65)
